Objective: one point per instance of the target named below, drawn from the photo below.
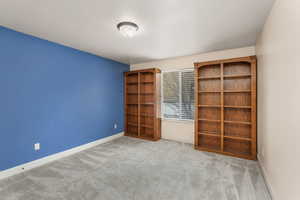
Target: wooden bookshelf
(142, 104)
(225, 118)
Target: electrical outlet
(115, 126)
(37, 146)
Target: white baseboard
(36, 163)
(264, 173)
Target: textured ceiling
(168, 28)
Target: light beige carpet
(133, 169)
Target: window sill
(178, 120)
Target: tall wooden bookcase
(225, 118)
(142, 104)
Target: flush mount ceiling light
(128, 29)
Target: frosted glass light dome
(128, 29)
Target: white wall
(184, 130)
(278, 50)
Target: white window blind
(178, 95)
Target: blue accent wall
(54, 95)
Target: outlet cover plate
(37, 146)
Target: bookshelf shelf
(236, 91)
(238, 76)
(210, 106)
(210, 134)
(209, 77)
(209, 120)
(238, 107)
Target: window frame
(180, 95)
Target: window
(178, 95)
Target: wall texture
(278, 51)
(54, 95)
(183, 131)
